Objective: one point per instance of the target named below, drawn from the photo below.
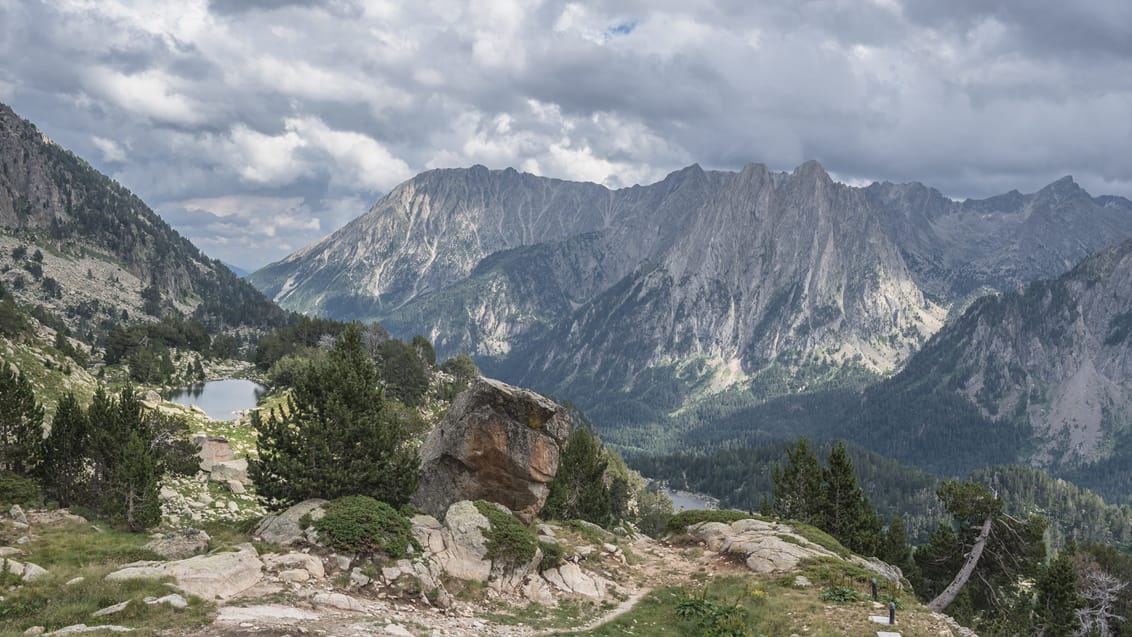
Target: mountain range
(636, 303)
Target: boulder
(212, 450)
(222, 575)
(27, 571)
(289, 561)
(230, 470)
(284, 528)
(464, 555)
(770, 547)
(498, 443)
(17, 514)
(179, 544)
(571, 579)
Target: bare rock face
(497, 443)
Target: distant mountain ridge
(702, 281)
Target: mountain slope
(89, 228)
(1042, 375)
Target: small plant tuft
(360, 524)
(551, 556)
(509, 541)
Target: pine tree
(1057, 599)
(895, 548)
(845, 512)
(578, 490)
(798, 486)
(136, 485)
(336, 436)
(21, 423)
(65, 463)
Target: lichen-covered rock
(179, 545)
(222, 575)
(770, 547)
(230, 470)
(497, 443)
(285, 528)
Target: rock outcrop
(285, 528)
(179, 545)
(222, 575)
(770, 547)
(497, 443)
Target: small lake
(686, 501)
(220, 399)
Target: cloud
(303, 112)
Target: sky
(257, 126)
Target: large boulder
(286, 527)
(179, 544)
(497, 443)
(221, 575)
(213, 449)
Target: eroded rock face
(497, 443)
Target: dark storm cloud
(256, 127)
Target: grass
(78, 550)
(568, 614)
(768, 606)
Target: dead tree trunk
(944, 599)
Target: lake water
(686, 501)
(220, 399)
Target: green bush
(17, 490)
(509, 541)
(682, 520)
(714, 620)
(840, 595)
(551, 556)
(360, 524)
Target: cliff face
(1055, 355)
(94, 229)
(695, 283)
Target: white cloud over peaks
(305, 146)
(152, 93)
(111, 151)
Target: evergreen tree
(845, 512)
(798, 486)
(136, 484)
(336, 436)
(21, 423)
(578, 490)
(1057, 598)
(895, 548)
(64, 468)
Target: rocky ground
(283, 585)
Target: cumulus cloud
(256, 127)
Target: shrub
(360, 524)
(840, 595)
(551, 556)
(509, 541)
(17, 490)
(682, 520)
(714, 620)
